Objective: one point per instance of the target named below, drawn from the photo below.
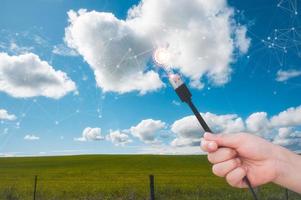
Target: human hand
(235, 156)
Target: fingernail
(211, 145)
(208, 135)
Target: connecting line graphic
(290, 6)
(162, 58)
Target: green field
(119, 177)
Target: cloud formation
(4, 115)
(118, 138)
(283, 75)
(289, 117)
(90, 134)
(31, 137)
(27, 76)
(147, 130)
(288, 137)
(63, 50)
(188, 131)
(201, 38)
(258, 123)
(281, 128)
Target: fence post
(286, 194)
(35, 187)
(152, 187)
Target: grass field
(119, 177)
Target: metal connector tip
(175, 80)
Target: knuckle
(235, 162)
(229, 152)
(222, 136)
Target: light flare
(162, 57)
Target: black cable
(185, 95)
(199, 117)
(207, 129)
(247, 181)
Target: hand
(235, 156)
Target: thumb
(225, 140)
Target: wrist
(283, 163)
(288, 165)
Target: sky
(79, 78)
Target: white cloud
(176, 103)
(113, 53)
(281, 128)
(287, 136)
(118, 138)
(16, 49)
(183, 142)
(189, 132)
(230, 123)
(31, 137)
(201, 37)
(283, 75)
(242, 42)
(27, 75)
(63, 50)
(90, 134)
(284, 132)
(187, 127)
(147, 130)
(4, 115)
(289, 117)
(258, 123)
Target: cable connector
(185, 95)
(180, 87)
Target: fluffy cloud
(90, 134)
(31, 137)
(147, 130)
(286, 75)
(118, 138)
(242, 41)
(258, 123)
(184, 142)
(112, 49)
(4, 115)
(201, 38)
(189, 132)
(27, 75)
(289, 117)
(287, 136)
(281, 129)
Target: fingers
(226, 140)
(235, 178)
(221, 155)
(222, 169)
(208, 146)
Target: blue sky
(38, 26)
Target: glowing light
(162, 57)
